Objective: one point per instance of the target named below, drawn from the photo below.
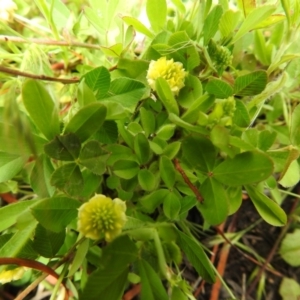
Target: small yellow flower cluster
(172, 72)
(7, 9)
(101, 217)
(10, 275)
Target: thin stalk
(51, 42)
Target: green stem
(58, 282)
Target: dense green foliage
(232, 129)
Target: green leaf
(256, 16)
(147, 120)
(142, 148)
(172, 149)
(118, 152)
(228, 22)
(271, 89)
(147, 180)
(157, 13)
(152, 287)
(126, 169)
(270, 21)
(220, 137)
(93, 157)
(68, 178)
(41, 108)
(244, 168)
(179, 122)
(166, 96)
(87, 120)
(56, 213)
(211, 23)
(247, 6)
(126, 92)
(235, 196)
(289, 288)
(295, 126)
(268, 209)
(10, 165)
(108, 133)
(91, 184)
(46, 242)
(79, 257)
(167, 171)
(200, 153)
(40, 177)
(197, 257)
(133, 68)
(183, 50)
(251, 84)
(166, 131)
(64, 147)
(18, 241)
(291, 176)
(191, 91)
(113, 51)
(138, 26)
(214, 208)
(266, 139)
(13, 141)
(85, 94)
(241, 116)
(98, 80)
(95, 19)
(10, 213)
(290, 248)
(151, 201)
(113, 273)
(219, 88)
(172, 206)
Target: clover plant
(167, 106)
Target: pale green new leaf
(211, 23)
(256, 16)
(157, 13)
(138, 26)
(228, 22)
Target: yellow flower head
(172, 72)
(10, 275)
(101, 217)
